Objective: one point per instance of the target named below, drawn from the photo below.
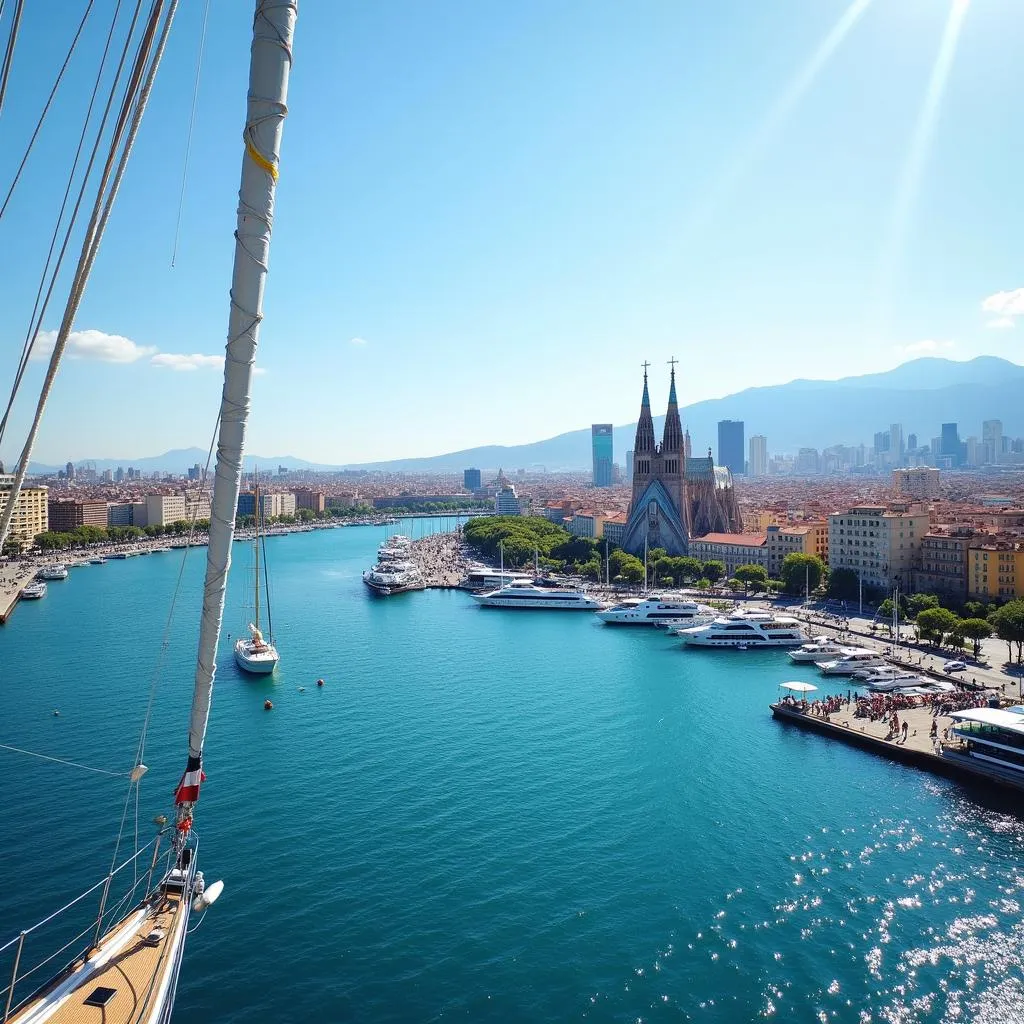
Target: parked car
(954, 666)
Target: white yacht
(53, 572)
(667, 610)
(524, 595)
(745, 631)
(387, 578)
(854, 660)
(818, 650)
(483, 577)
(34, 591)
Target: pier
(14, 578)
(919, 750)
(441, 560)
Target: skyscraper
(992, 438)
(601, 445)
(730, 445)
(896, 448)
(471, 479)
(950, 443)
(629, 466)
(758, 455)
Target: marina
(464, 802)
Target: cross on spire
(672, 362)
(645, 366)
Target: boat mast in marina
(257, 654)
(127, 973)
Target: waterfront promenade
(441, 560)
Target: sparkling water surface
(500, 816)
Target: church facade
(675, 496)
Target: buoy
(302, 689)
(319, 682)
(56, 713)
(268, 706)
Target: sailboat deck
(136, 969)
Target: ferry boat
(746, 631)
(34, 591)
(53, 572)
(993, 736)
(525, 595)
(657, 611)
(854, 660)
(818, 650)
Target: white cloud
(357, 341)
(92, 345)
(186, 363)
(1004, 307)
(927, 347)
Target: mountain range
(921, 395)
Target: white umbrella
(798, 687)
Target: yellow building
(995, 570)
(31, 514)
(798, 539)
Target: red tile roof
(745, 539)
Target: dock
(441, 561)
(13, 579)
(939, 756)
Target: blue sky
(490, 214)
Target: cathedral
(675, 497)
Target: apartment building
(31, 511)
(915, 484)
(797, 539)
(164, 509)
(995, 569)
(882, 545)
(944, 559)
(732, 549)
(66, 515)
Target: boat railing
(93, 923)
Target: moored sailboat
(256, 653)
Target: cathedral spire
(645, 426)
(672, 440)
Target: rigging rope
(46, 108)
(90, 246)
(191, 126)
(36, 319)
(61, 760)
(5, 70)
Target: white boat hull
(554, 604)
(258, 662)
(746, 643)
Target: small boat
(97, 561)
(34, 591)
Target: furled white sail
(268, 92)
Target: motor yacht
(483, 577)
(528, 596)
(745, 632)
(667, 610)
(821, 649)
(856, 658)
(53, 572)
(34, 591)
(387, 578)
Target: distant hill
(921, 394)
(179, 460)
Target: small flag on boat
(188, 789)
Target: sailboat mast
(269, 69)
(256, 552)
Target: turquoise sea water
(498, 816)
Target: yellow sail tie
(258, 158)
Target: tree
(755, 576)
(843, 585)
(976, 630)
(713, 571)
(1008, 622)
(687, 568)
(935, 623)
(800, 571)
(921, 602)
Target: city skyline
(469, 221)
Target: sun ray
(909, 183)
(779, 113)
